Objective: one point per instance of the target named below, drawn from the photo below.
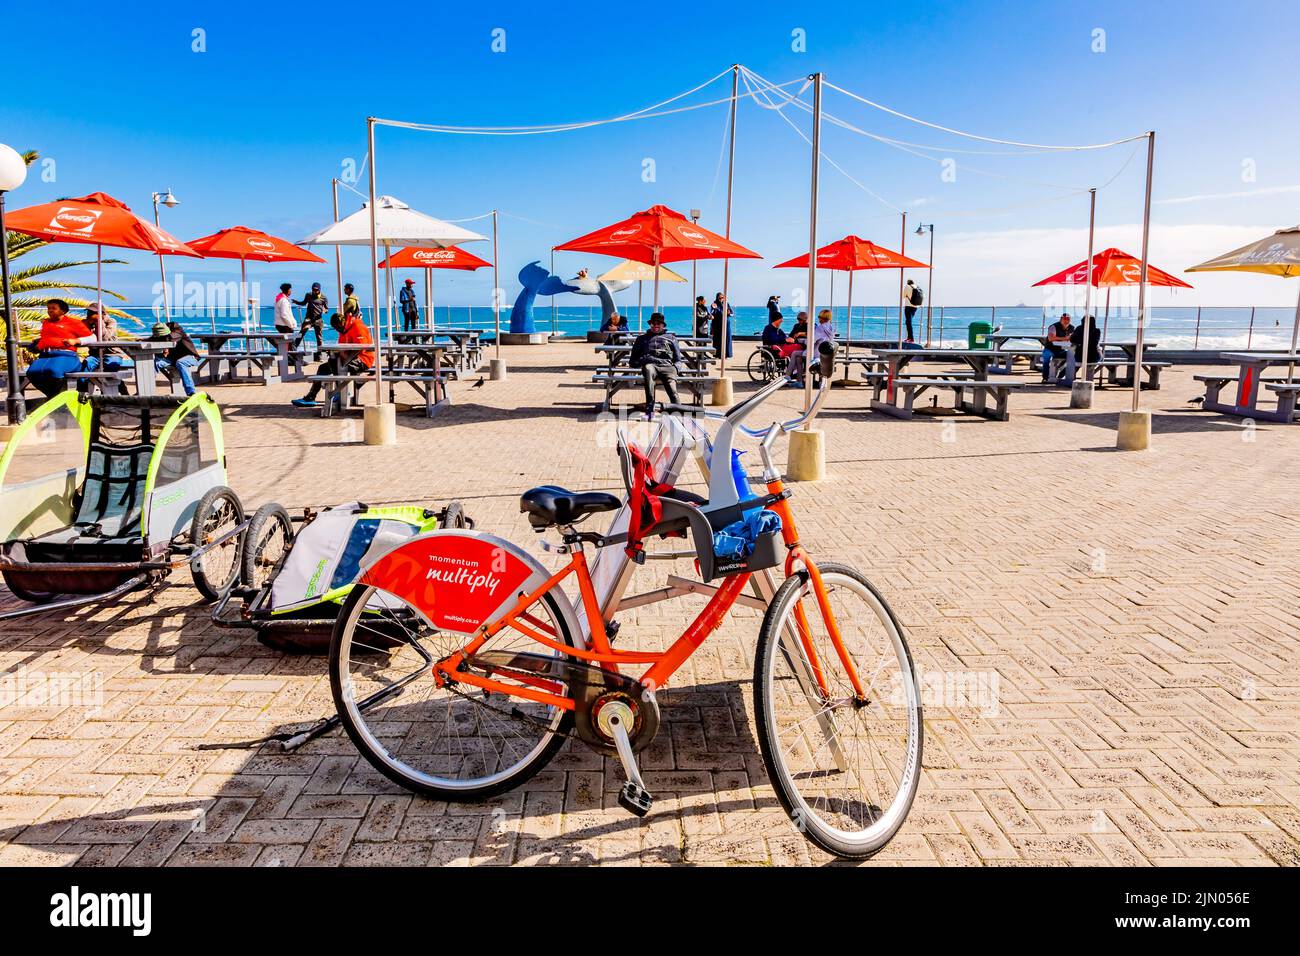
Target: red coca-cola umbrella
(851, 255)
(658, 235)
(1110, 268)
(243, 243)
(419, 257)
(98, 220)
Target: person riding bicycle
(657, 353)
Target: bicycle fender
(462, 579)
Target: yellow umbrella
(638, 272)
(1275, 255)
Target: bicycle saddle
(551, 505)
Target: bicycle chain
(513, 714)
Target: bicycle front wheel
(844, 755)
(454, 742)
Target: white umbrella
(396, 225)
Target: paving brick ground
(1139, 612)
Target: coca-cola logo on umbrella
(434, 255)
(74, 219)
(625, 232)
(261, 245)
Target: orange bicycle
(459, 665)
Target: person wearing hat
(181, 359)
(1057, 345)
(313, 319)
(410, 309)
(351, 304)
(284, 320)
(773, 307)
(656, 353)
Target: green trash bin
(977, 336)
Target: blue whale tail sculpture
(537, 280)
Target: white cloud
(1243, 194)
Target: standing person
(657, 354)
(352, 331)
(913, 296)
(720, 307)
(1058, 343)
(313, 319)
(61, 336)
(351, 305)
(773, 307)
(409, 307)
(181, 359)
(284, 320)
(701, 317)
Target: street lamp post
(921, 230)
(170, 201)
(13, 172)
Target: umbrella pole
(848, 327)
(428, 296)
(1295, 333)
(388, 293)
(243, 290)
(1105, 323)
(99, 300)
(656, 292)
(640, 289)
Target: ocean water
(1180, 328)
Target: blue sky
(251, 130)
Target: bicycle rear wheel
(845, 766)
(452, 742)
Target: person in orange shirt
(61, 335)
(352, 331)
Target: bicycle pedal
(635, 799)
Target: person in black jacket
(1076, 341)
(181, 359)
(656, 353)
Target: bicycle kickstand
(614, 719)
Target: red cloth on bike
(644, 499)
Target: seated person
(800, 330)
(352, 331)
(657, 353)
(823, 332)
(615, 323)
(114, 360)
(775, 338)
(57, 350)
(1058, 341)
(181, 359)
(1076, 340)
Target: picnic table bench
(1250, 376)
(901, 391)
(615, 380)
(343, 391)
(223, 360)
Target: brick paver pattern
(1131, 620)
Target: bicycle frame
(662, 665)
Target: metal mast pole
(1142, 287)
(811, 335)
(929, 295)
(726, 263)
(374, 267)
(1087, 292)
(15, 404)
(902, 250)
(162, 265)
(338, 250)
(496, 297)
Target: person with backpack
(913, 296)
(410, 308)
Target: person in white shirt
(823, 331)
(284, 320)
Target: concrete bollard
(380, 424)
(1081, 394)
(497, 369)
(1134, 431)
(723, 393)
(807, 460)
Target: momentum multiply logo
(78, 909)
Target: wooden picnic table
(698, 357)
(467, 351)
(219, 350)
(141, 352)
(419, 366)
(1249, 377)
(894, 383)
